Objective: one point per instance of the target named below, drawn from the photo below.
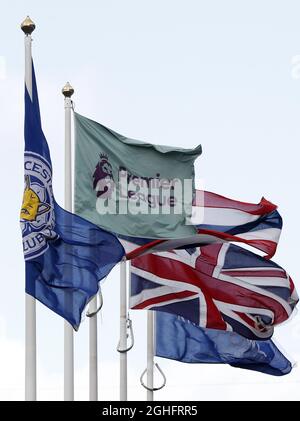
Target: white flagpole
(123, 332)
(30, 304)
(93, 350)
(150, 354)
(68, 91)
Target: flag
(65, 255)
(131, 187)
(218, 286)
(180, 340)
(219, 219)
(257, 225)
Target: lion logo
(103, 180)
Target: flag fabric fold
(218, 219)
(65, 255)
(218, 286)
(131, 187)
(257, 225)
(179, 339)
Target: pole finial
(27, 26)
(67, 90)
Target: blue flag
(181, 340)
(66, 256)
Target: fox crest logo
(37, 211)
(32, 207)
(103, 180)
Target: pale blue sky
(181, 73)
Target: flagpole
(150, 354)
(68, 91)
(123, 332)
(28, 27)
(93, 351)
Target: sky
(223, 74)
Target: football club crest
(37, 214)
(103, 180)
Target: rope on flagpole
(129, 335)
(154, 389)
(93, 313)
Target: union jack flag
(217, 286)
(218, 219)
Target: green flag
(131, 187)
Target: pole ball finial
(27, 26)
(67, 90)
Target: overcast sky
(221, 73)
